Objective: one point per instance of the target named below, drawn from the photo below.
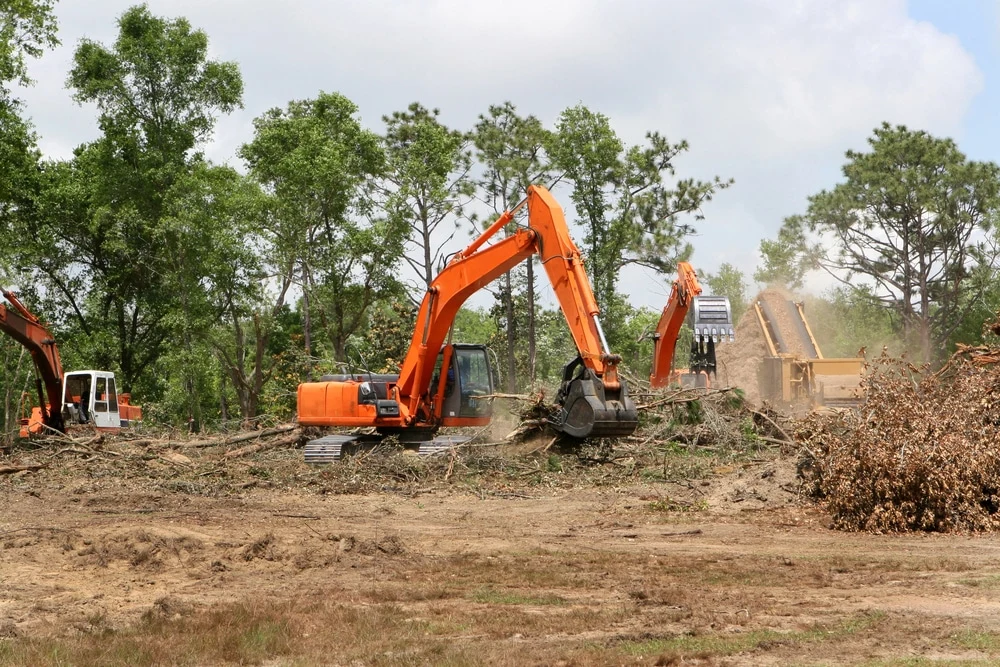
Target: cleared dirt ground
(133, 558)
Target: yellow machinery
(795, 370)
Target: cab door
(105, 399)
(470, 385)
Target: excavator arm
(712, 322)
(21, 324)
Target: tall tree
(97, 241)
(27, 28)
(427, 173)
(321, 166)
(914, 219)
(511, 150)
(631, 214)
(211, 233)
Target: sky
(770, 93)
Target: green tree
(630, 212)
(913, 220)
(730, 282)
(27, 28)
(851, 321)
(211, 232)
(511, 150)
(427, 173)
(321, 167)
(96, 238)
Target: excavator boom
(21, 325)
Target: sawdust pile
(921, 456)
(739, 362)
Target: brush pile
(921, 455)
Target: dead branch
(773, 423)
(261, 446)
(7, 470)
(699, 393)
(266, 433)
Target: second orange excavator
(447, 384)
(68, 399)
(711, 323)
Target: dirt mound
(781, 304)
(139, 548)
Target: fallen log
(7, 470)
(215, 442)
(260, 446)
(284, 428)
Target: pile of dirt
(738, 363)
(781, 304)
(922, 456)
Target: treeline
(213, 291)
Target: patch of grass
(490, 596)
(921, 662)
(671, 505)
(978, 640)
(263, 640)
(704, 646)
(709, 645)
(989, 582)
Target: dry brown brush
(923, 453)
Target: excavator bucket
(712, 322)
(588, 409)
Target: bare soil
(133, 557)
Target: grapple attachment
(712, 322)
(588, 409)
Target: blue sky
(769, 92)
(976, 23)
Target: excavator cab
(468, 380)
(91, 397)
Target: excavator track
(332, 448)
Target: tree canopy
(914, 219)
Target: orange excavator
(81, 397)
(446, 384)
(711, 322)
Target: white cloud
(770, 92)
